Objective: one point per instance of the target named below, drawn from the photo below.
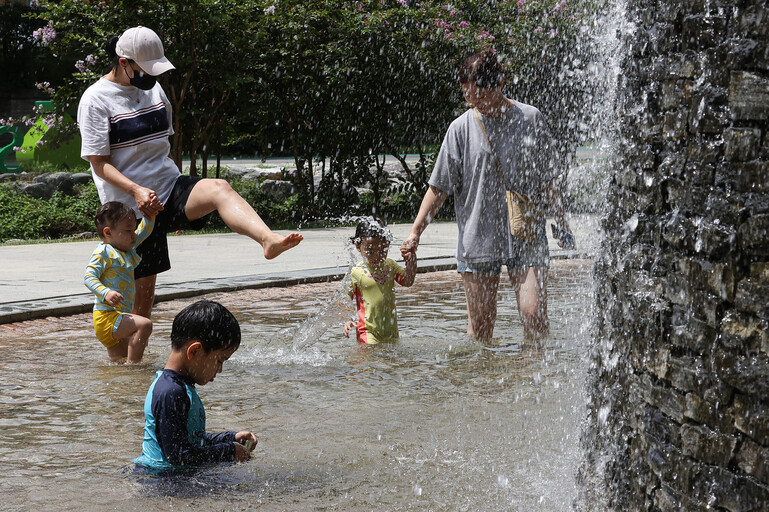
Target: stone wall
(680, 382)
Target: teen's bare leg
(133, 333)
(481, 294)
(210, 195)
(530, 285)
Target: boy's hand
(347, 326)
(241, 453)
(113, 298)
(245, 442)
(244, 436)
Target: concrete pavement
(40, 280)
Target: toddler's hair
(208, 322)
(371, 228)
(482, 69)
(109, 214)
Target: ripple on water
(435, 421)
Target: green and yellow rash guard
(373, 291)
(113, 269)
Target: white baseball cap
(143, 46)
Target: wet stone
(744, 177)
(753, 21)
(741, 144)
(707, 118)
(752, 418)
(744, 333)
(749, 96)
(689, 332)
(749, 374)
(759, 271)
(708, 413)
(706, 445)
(754, 233)
(752, 296)
(753, 459)
(666, 399)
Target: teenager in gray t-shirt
(466, 167)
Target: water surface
(435, 422)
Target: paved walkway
(42, 280)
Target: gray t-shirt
(466, 167)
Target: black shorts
(173, 217)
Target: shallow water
(435, 422)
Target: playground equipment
(36, 145)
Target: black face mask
(141, 80)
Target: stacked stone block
(680, 381)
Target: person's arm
(92, 280)
(144, 230)
(170, 412)
(431, 203)
(410, 259)
(146, 199)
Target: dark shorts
(154, 250)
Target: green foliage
(335, 83)
(21, 56)
(28, 218)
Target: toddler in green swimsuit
(372, 283)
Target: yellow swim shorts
(105, 323)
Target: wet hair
(371, 228)
(208, 322)
(482, 69)
(109, 214)
(112, 55)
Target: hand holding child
(409, 246)
(113, 298)
(347, 326)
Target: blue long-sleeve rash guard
(175, 427)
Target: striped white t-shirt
(132, 127)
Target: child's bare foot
(278, 244)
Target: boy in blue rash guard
(203, 336)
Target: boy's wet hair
(208, 322)
(371, 228)
(482, 69)
(109, 214)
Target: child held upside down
(372, 283)
(203, 336)
(110, 276)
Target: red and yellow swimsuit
(372, 289)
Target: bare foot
(279, 243)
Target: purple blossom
(45, 34)
(463, 24)
(485, 35)
(45, 86)
(270, 9)
(404, 3)
(538, 29)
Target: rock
(748, 96)
(37, 190)
(58, 181)
(741, 144)
(276, 190)
(82, 178)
